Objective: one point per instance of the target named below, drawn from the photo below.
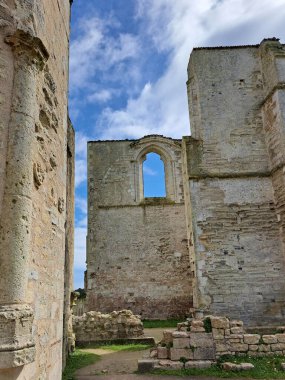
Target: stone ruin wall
(235, 161)
(36, 156)
(200, 342)
(137, 255)
(94, 327)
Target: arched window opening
(153, 176)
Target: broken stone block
(220, 322)
(198, 364)
(228, 366)
(178, 353)
(236, 323)
(237, 330)
(251, 338)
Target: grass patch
(78, 359)
(149, 324)
(265, 368)
(125, 347)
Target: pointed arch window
(154, 176)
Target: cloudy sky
(128, 69)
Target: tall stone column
(16, 317)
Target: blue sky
(128, 66)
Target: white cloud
(100, 96)
(149, 171)
(176, 27)
(80, 248)
(96, 50)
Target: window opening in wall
(153, 176)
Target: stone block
(167, 336)
(146, 365)
(236, 323)
(253, 347)
(221, 346)
(268, 339)
(178, 353)
(264, 348)
(181, 343)
(251, 338)
(198, 364)
(201, 340)
(162, 352)
(239, 347)
(197, 323)
(218, 333)
(180, 334)
(280, 338)
(277, 347)
(170, 364)
(228, 366)
(237, 330)
(220, 322)
(204, 353)
(283, 366)
(197, 329)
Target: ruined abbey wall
(235, 171)
(137, 255)
(35, 186)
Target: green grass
(77, 360)
(148, 324)
(265, 368)
(125, 347)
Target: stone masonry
(36, 184)
(95, 326)
(199, 342)
(235, 180)
(224, 207)
(137, 254)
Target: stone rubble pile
(198, 343)
(94, 326)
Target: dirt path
(122, 362)
(122, 365)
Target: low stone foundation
(95, 326)
(198, 343)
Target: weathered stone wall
(34, 41)
(137, 255)
(95, 326)
(200, 342)
(238, 251)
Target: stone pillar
(16, 318)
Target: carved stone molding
(17, 345)
(28, 47)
